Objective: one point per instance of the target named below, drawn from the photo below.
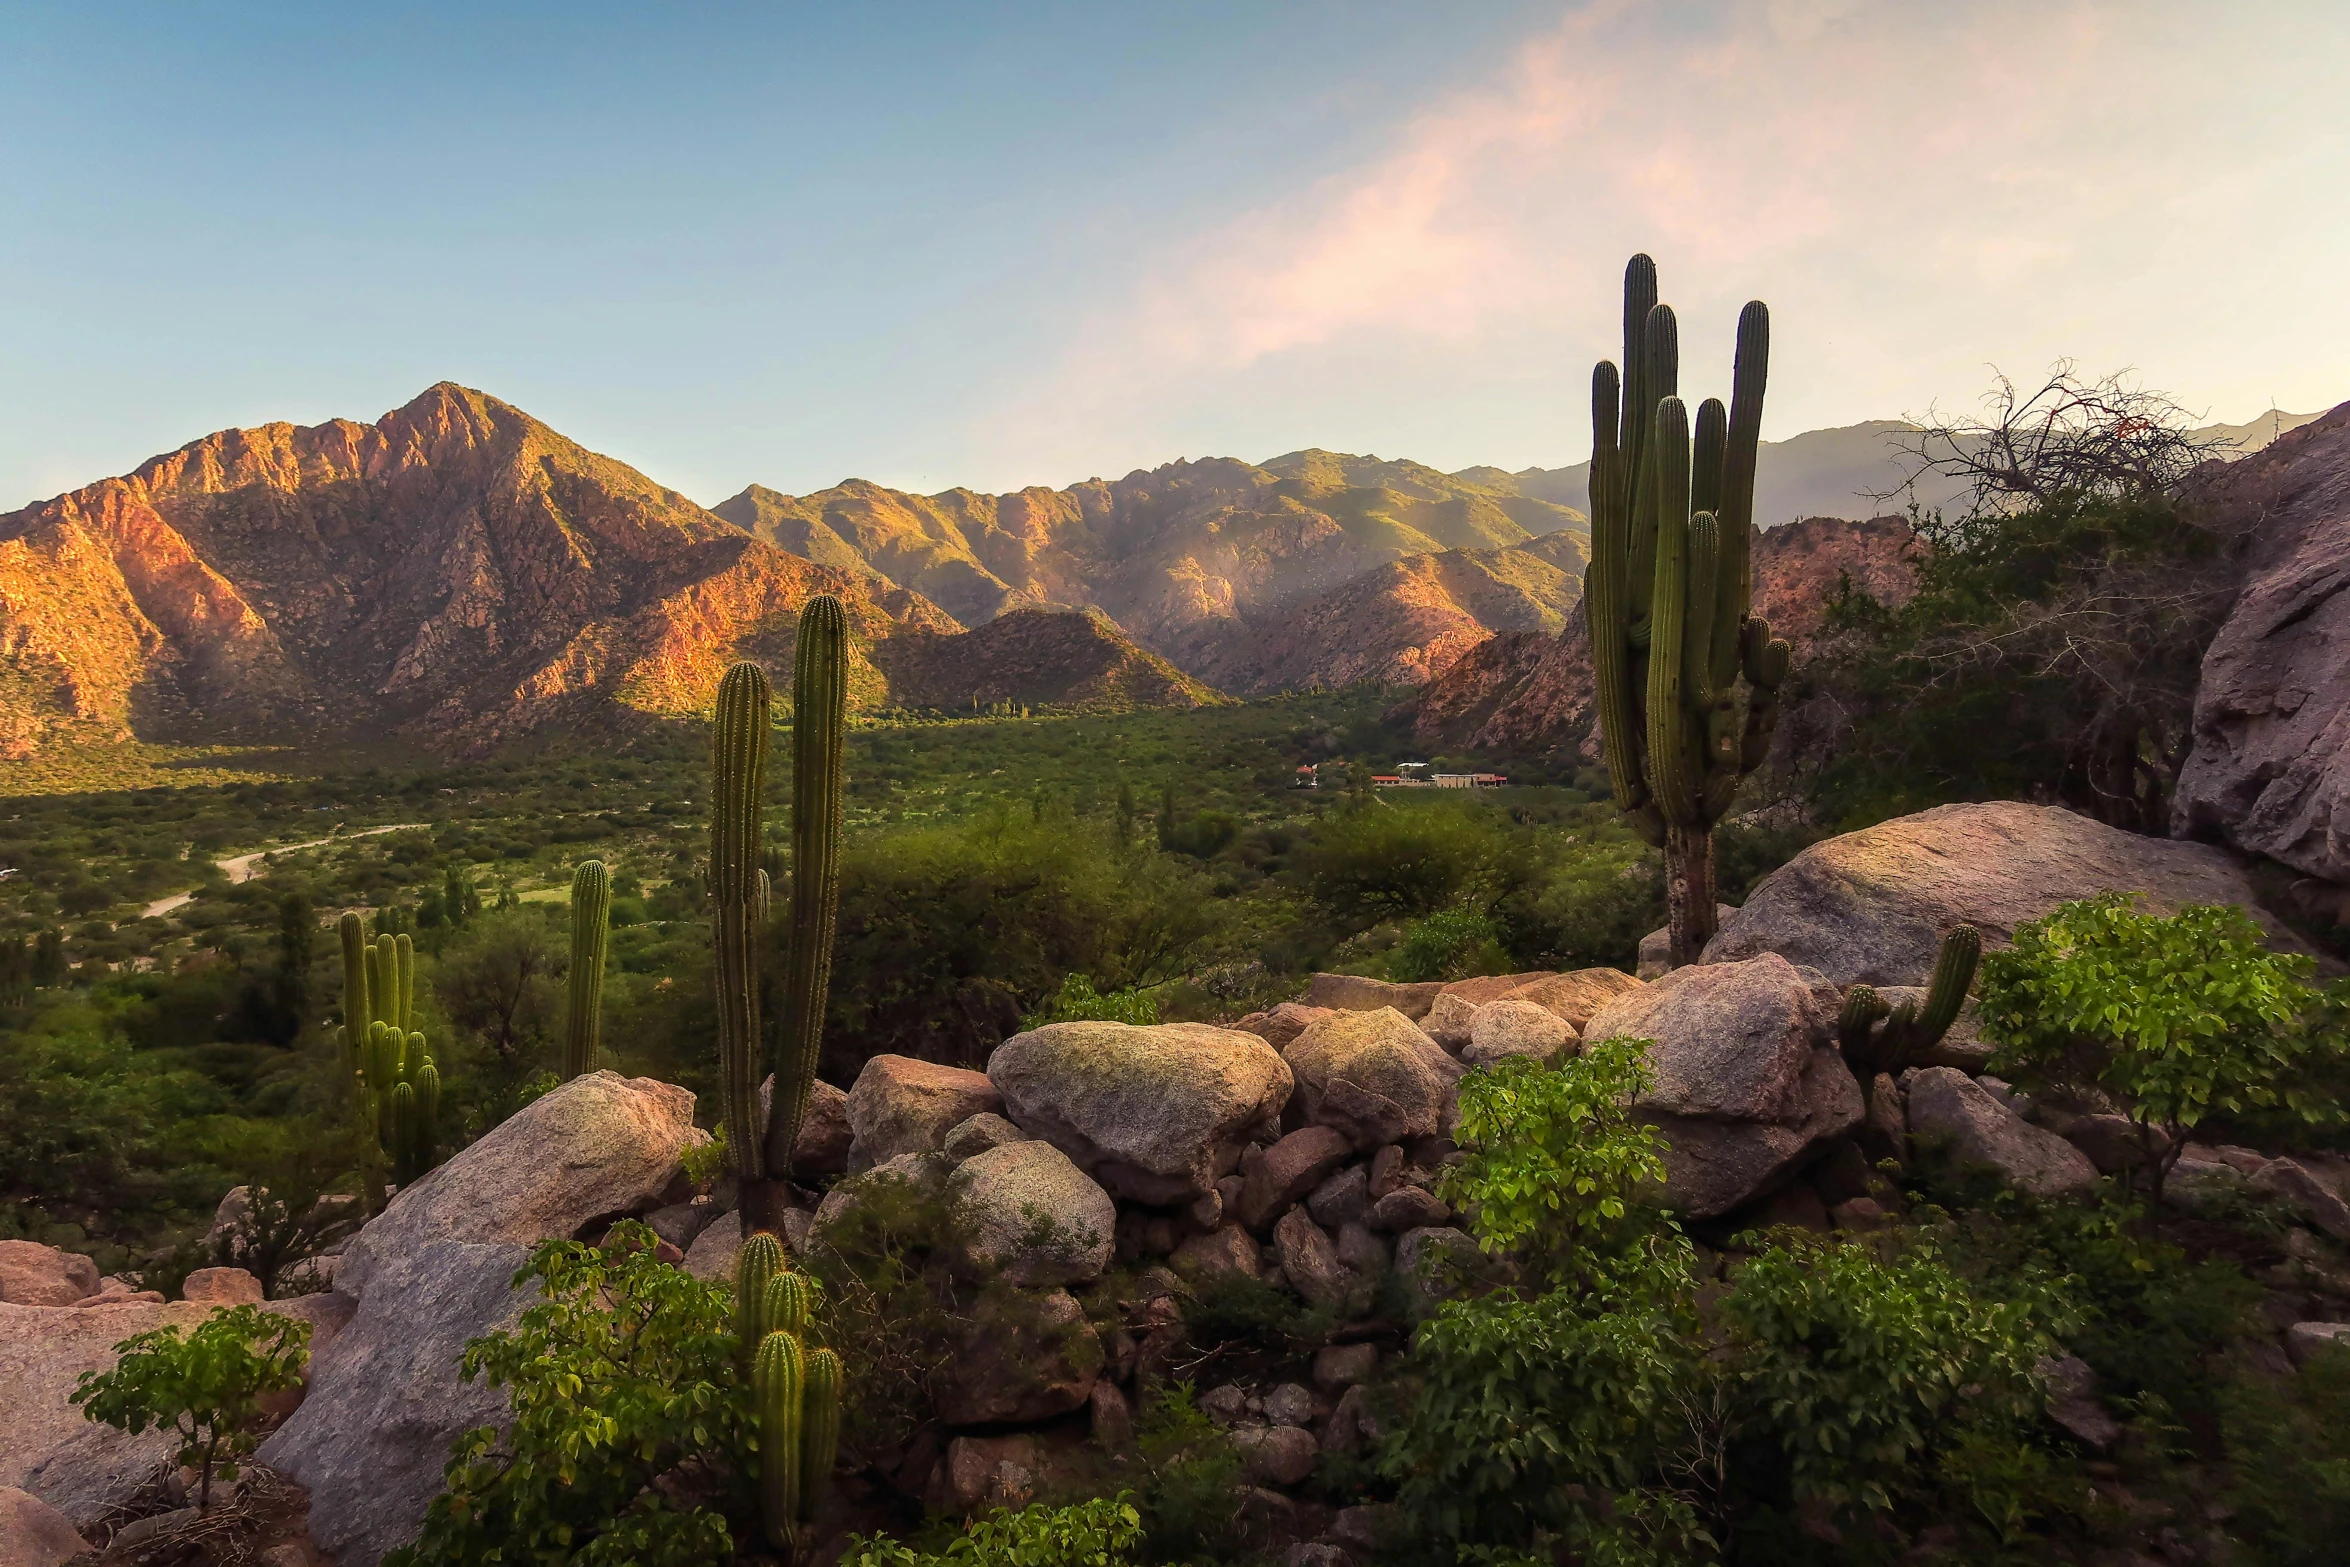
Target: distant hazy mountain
(1839, 473)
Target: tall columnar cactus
(739, 889)
(1687, 676)
(820, 1412)
(357, 1012)
(1876, 1037)
(779, 1386)
(591, 914)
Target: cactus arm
(820, 1407)
(738, 766)
(591, 914)
(1640, 297)
(404, 960)
(356, 1014)
(1603, 608)
(1654, 493)
(1697, 625)
(1705, 458)
(820, 670)
(1863, 1010)
(787, 1302)
(778, 1388)
(1672, 769)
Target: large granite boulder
(1947, 1106)
(1747, 1086)
(47, 1446)
(1492, 987)
(1354, 993)
(822, 1147)
(899, 1105)
(2270, 768)
(1872, 907)
(1508, 1028)
(1576, 996)
(595, 1147)
(372, 1437)
(1373, 1076)
(1025, 1211)
(34, 1534)
(1154, 1114)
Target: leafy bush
(1449, 944)
(1554, 1165)
(1849, 1370)
(1191, 1472)
(1097, 1533)
(2182, 1018)
(1587, 910)
(622, 1370)
(2290, 1479)
(1379, 860)
(1078, 1002)
(205, 1388)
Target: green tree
(205, 1388)
(2181, 1017)
(624, 1368)
(498, 983)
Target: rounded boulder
(1026, 1210)
(1516, 1028)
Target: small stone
(1409, 1208)
(32, 1274)
(1362, 1251)
(1310, 1262)
(1290, 1405)
(222, 1287)
(1276, 1455)
(1113, 1417)
(1287, 1171)
(1341, 1366)
(1227, 1250)
(1387, 1167)
(2304, 1339)
(1344, 1197)
(1351, 1426)
(678, 1223)
(2073, 1402)
(1368, 1527)
(1206, 1212)
(982, 1132)
(1227, 1402)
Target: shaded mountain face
(1526, 693)
(1034, 657)
(456, 572)
(1186, 558)
(1844, 472)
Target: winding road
(239, 868)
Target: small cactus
(819, 1430)
(761, 1260)
(778, 1392)
(787, 1300)
(1875, 1038)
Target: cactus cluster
(739, 885)
(795, 1390)
(1687, 677)
(591, 920)
(1877, 1037)
(402, 1087)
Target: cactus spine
(591, 911)
(1877, 1038)
(1669, 593)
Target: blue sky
(1011, 244)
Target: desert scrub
(621, 1372)
(1102, 1532)
(205, 1387)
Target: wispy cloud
(1917, 188)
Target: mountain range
(458, 574)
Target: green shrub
(205, 1388)
(1078, 1002)
(1191, 1473)
(1449, 944)
(1555, 1166)
(2289, 1476)
(1102, 1532)
(1379, 860)
(2181, 1018)
(1849, 1370)
(622, 1370)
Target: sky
(1020, 243)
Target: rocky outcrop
(1355, 993)
(1872, 907)
(1576, 996)
(1061, 658)
(1947, 1106)
(1747, 1086)
(32, 1274)
(1371, 1075)
(598, 1146)
(2270, 768)
(1155, 1114)
(899, 1105)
